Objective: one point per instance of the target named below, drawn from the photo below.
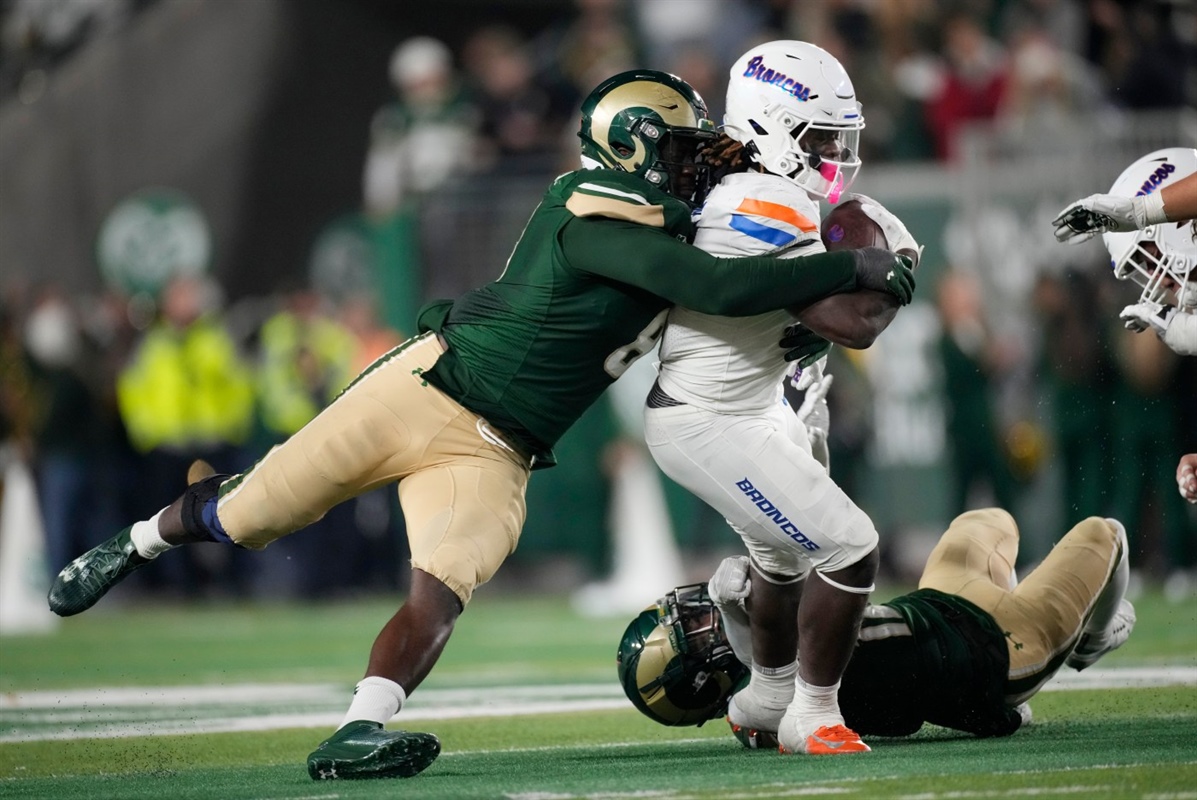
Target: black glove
(884, 271)
(803, 345)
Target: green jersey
(928, 657)
(585, 293)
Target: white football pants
(758, 472)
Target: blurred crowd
(109, 397)
(923, 70)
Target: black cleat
(364, 749)
(85, 580)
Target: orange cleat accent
(832, 740)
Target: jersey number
(618, 362)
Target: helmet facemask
(1162, 259)
(675, 662)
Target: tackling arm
(857, 320)
(853, 320)
(736, 287)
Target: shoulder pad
(757, 214)
(620, 195)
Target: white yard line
(121, 712)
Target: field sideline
(226, 702)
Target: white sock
(1107, 602)
(147, 540)
(773, 686)
(815, 706)
(375, 699)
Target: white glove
(816, 416)
(1102, 213)
(1176, 329)
(729, 588)
(729, 585)
(804, 377)
(1141, 316)
(1186, 477)
(813, 412)
(896, 235)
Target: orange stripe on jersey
(778, 212)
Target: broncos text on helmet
(792, 105)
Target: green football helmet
(651, 124)
(674, 661)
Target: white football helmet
(1161, 258)
(783, 91)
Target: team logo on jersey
(757, 70)
(774, 513)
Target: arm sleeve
(1181, 334)
(650, 259)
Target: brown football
(847, 227)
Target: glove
(729, 585)
(729, 588)
(1101, 213)
(805, 377)
(895, 231)
(1186, 477)
(814, 413)
(1141, 316)
(803, 345)
(884, 271)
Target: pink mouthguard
(831, 173)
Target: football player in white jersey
(1148, 222)
(716, 421)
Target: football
(847, 227)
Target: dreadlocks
(725, 156)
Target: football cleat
(748, 711)
(829, 740)
(753, 739)
(364, 749)
(1092, 646)
(85, 580)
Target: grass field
(226, 702)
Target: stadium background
(258, 115)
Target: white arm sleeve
(1181, 334)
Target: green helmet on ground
(674, 660)
(651, 124)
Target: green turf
(1087, 744)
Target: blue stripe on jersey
(766, 234)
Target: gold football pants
(461, 485)
(1043, 615)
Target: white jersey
(734, 364)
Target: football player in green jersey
(459, 415)
(966, 651)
